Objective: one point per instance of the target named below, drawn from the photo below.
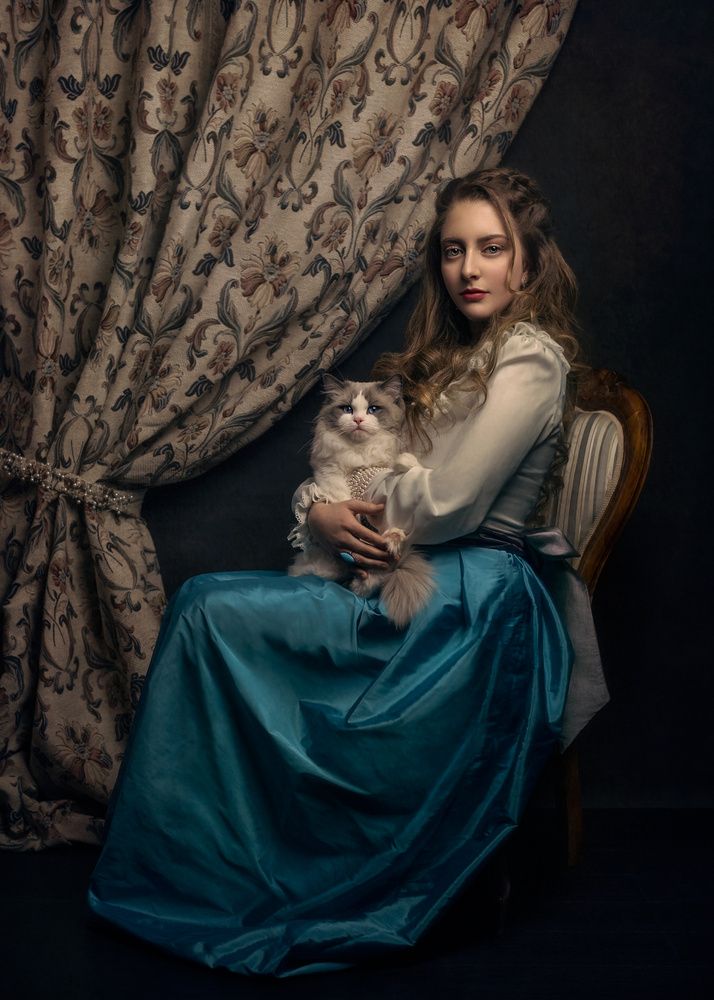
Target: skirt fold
(306, 785)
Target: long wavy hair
(440, 342)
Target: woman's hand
(337, 528)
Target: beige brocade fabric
(202, 205)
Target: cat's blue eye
(373, 408)
(346, 408)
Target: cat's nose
(358, 420)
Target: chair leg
(573, 803)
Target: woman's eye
(493, 249)
(373, 408)
(451, 252)
(346, 408)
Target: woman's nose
(470, 266)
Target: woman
(307, 785)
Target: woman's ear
(392, 386)
(524, 280)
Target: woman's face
(476, 256)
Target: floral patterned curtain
(203, 204)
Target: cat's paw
(395, 538)
(405, 461)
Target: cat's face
(359, 410)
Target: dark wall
(619, 142)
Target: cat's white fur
(344, 442)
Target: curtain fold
(203, 205)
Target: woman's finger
(365, 507)
(365, 563)
(367, 554)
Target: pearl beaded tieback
(91, 495)
(359, 479)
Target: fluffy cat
(358, 430)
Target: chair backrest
(610, 443)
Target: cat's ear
(392, 386)
(331, 384)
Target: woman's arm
(482, 450)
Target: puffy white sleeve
(482, 449)
(307, 493)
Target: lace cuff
(304, 497)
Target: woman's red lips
(473, 294)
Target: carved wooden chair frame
(602, 389)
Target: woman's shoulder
(518, 345)
(524, 340)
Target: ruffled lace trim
(310, 493)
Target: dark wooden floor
(633, 920)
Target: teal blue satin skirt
(306, 786)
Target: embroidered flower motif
(256, 150)
(488, 86)
(94, 216)
(517, 103)
(102, 122)
(132, 236)
(115, 689)
(338, 96)
(308, 94)
(82, 752)
(443, 99)
(5, 142)
(541, 17)
(28, 10)
(222, 233)
(227, 90)
(55, 265)
(7, 243)
(341, 13)
(160, 390)
(168, 270)
(191, 432)
(139, 362)
(166, 89)
(221, 360)
(336, 234)
(267, 274)
(377, 147)
(60, 573)
(80, 117)
(473, 17)
(401, 252)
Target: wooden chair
(610, 443)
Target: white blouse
(487, 462)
